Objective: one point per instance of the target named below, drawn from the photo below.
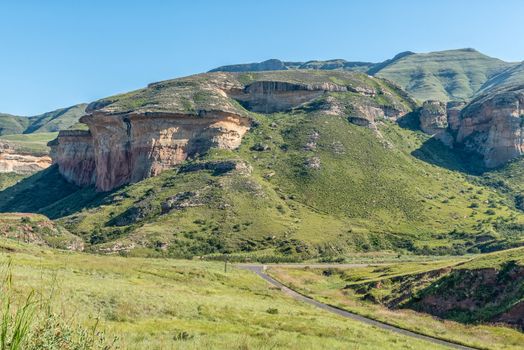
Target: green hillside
(48, 122)
(370, 193)
(512, 77)
(443, 75)
(35, 144)
(84, 301)
(56, 120)
(11, 124)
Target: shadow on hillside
(433, 151)
(48, 193)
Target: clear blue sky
(59, 53)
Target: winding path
(260, 271)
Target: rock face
(493, 126)
(433, 117)
(276, 96)
(13, 161)
(121, 149)
(73, 151)
(129, 148)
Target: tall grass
(29, 323)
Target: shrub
(272, 311)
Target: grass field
(340, 287)
(30, 143)
(177, 304)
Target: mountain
(275, 64)
(510, 78)
(441, 75)
(12, 124)
(48, 122)
(283, 165)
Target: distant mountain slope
(274, 64)
(59, 119)
(12, 124)
(510, 78)
(443, 75)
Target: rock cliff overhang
(125, 148)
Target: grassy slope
(371, 191)
(44, 123)
(10, 124)
(56, 120)
(160, 304)
(365, 197)
(511, 77)
(443, 75)
(30, 143)
(9, 179)
(37, 229)
(344, 287)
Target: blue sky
(58, 53)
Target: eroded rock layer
(491, 125)
(121, 149)
(21, 163)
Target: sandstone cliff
(490, 125)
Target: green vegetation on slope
(166, 304)
(44, 123)
(443, 75)
(383, 291)
(56, 120)
(369, 193)
(11, 124)
(37, 229)
(35, 144)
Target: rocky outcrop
(277, 96)
(73, 151)
(453, 111)
(121, 149)
(493, 126)
(433, 117)
(12, 160)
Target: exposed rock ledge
(126, 148)
(13, 161)
(491, 125)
